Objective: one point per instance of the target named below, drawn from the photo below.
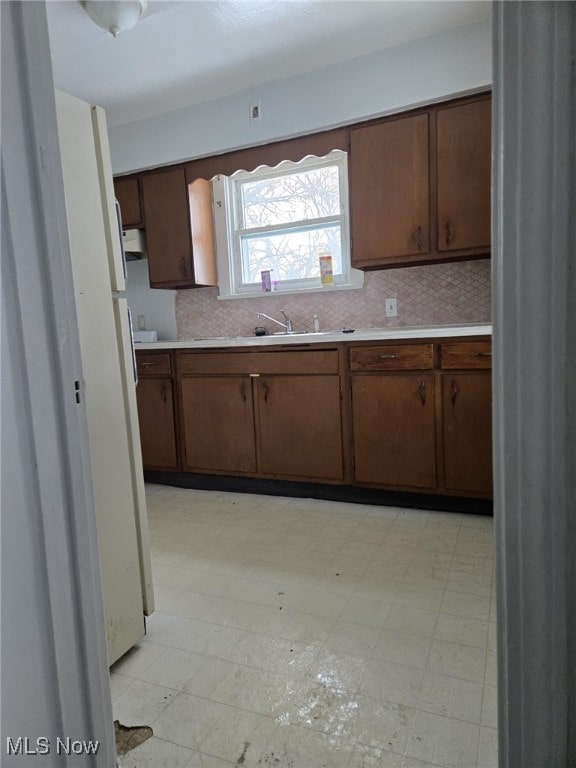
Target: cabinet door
(218, 421)
(156, 419)
(165, 197)
(300, 426)
(389, 190)
(127, 193)
(394, 429)
(467, 409)
(464, 152)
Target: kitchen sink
(301, 333)
(213, 338)
(278, 336)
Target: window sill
(292, 291)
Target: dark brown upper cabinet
(464, 149)
(127, 192)
(179, 230)
(389, 190)
(420, 186)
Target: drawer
(242, 363)
(466, 354)
(153, 363)
(397, 357)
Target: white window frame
(227, 213)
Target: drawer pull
(483, 354)
(422, 392)
(389, 357)
(453, 392)
(147, 365)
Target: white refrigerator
(109, 372)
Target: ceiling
(186, 52)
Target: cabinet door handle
(449, 233)
(266, 389)
(483, 354)
(417, 237)
(422, 392)
(243, 391)
(453, 391)
(163, 393)
(183, 267)
(389, 357)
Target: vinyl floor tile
(173, 668)
(218, 680)
(410, 650)
(415, 621)
(462, 629)
(457, 660)
(443, 741)
(156, 752)
(451, 697)
(239, 737)
(488, 748)
(299, 633)
(393, 682)
(187, 720)
(142, 703)
(350, 638)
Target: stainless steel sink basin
(301, 333)
(278, 336)
(213, 338)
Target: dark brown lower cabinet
(218, 424)
(156, 411)
(156, 418)
(300, 428)
(467, 414)
(394, 429)
(268, 413)
(419, 416)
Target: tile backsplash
(437, 294)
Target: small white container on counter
(145, 337)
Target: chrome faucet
(287, 325)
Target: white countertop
(368, 334)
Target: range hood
(134, 244)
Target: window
(283, 219)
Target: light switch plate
(391, 307)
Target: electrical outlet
(141, 322)
(391, 307)
(255, 110)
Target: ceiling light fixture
(115, 15)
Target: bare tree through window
(299, 213)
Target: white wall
(156, 305)
(430, 69)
